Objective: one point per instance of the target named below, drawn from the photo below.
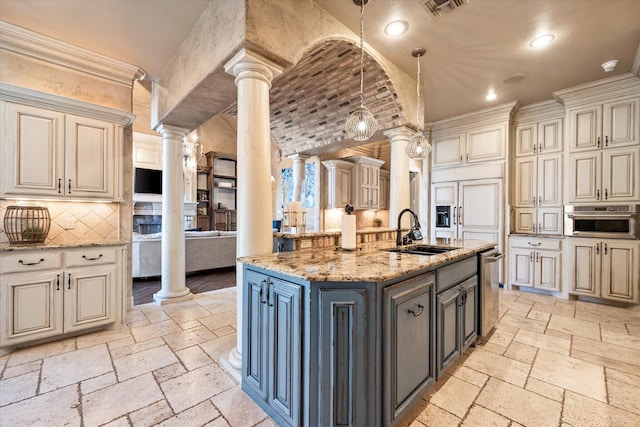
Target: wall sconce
(192, 152)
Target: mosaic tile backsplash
(92, 222)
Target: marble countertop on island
(330, 233)
(6, 247)
(370, 263)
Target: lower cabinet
(457, 322)
(536, 263)
(608, 269)
(408, 333)
(272, 343)
(51, 292)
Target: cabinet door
(549, 180)
(374, 186)
(550, 221)
(525, 188)
(256, 334)
(448, 327)
(585, 175)
(486, 144)
(342, 188)
(524, 220)
(620, 270)
(285, 349)
(547, 270)
(621, 120)
(584, 266)
(31, 306)
(89, 297)
(469, 311)
(526, 140)
(550, 136)
(33, 157)
(90, 158)
(480, 205)
(448, 151)
(620, 175)
(521, 267)
(585, 128)
(407, 334)
(383, 196)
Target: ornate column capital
(298, 157)
(170, 131)
(250, 64)
(401, 133)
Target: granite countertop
(6, 247)
(369, 230)
(370, 263)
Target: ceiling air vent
(437, 8)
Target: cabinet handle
(597, 248)
(606, 140)
(606, 194)
(262, 284)
(460, 215)
(540, 148)
(31, 263)
(92, 259)
(531, 257)
(534, 200)
(539, 227)
(269, 293)
(534, 148)
(598, 142)
(57, 282)
(598, 194)
(454, 216)
(69, 281)
(539, 200)
(534, 244)
(467, 157)
(460, 158)
(59, 185)
(537, 256)
(69, 186)
(418, 312)
(605, 248)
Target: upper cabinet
(476, 145)
(542, 137)
(366, 182)
(54, 154)
(338, 183)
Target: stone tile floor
(549, 362)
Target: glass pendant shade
(418, 147)
(361, 125)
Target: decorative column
(253, 74)
(399, 185)
(298, 175)
(173, 270)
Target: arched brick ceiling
(311, 101)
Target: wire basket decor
(26, 224)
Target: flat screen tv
(148, 181)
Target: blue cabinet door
(449, 342)
(469, 321)
(285, 352)
(255, 337)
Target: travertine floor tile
(101, 337)
(153, 314)
(18, 370)
(619, 338)
(237, 408)
(196, 386)
(524, 323)
(193, 357)
(569, 373)
(190, 337)
(517, 305)
(530, 297)
(93, 384)
(144, 361)
(109, 403)
(604, 361)
(624, 377)
(579, 327)
(185, 312)
(501, 367)
(582, 411)
(221, 422)
(543, 341)
(199, 415)
(545, 389)
(74, 366)
(469, 375)
(136, 347)
(633, 329)
(18, 388)
(493, 348)
(219, 320)
(456, 396)
(41, 351)
(155, 330)
(56, 408)
(434, 416)
(539, 315)
(611, 351)
(521, 352)
(604, 313)
(623, 395)
(501, 337)
(190, 324)
(220, 347)
(525, 407)
(152, 414)
(168, 372)
(120, 422)
(482, 417)
(562, 310)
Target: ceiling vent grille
(436, 8)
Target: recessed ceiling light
(395, 28)
(542, 41)
(491, 95)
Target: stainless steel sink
(421, 249)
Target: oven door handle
(601, 217)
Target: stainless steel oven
(611, 222)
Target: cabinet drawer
(90, 256)
(456, 273)
(22, 261)
(536, 243)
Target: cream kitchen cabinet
(473, 146)
(537, 221)
(46, 293)
(604, 176)
(56, 155)
(366, 182)
(338, 183)
(384, 189)
(538, 181)
(536, 263)
(542, 137)
(607, 125)
(607, 269)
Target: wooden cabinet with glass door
(223, 185)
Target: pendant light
(418, 146)
(361, 125)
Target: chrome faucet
(413, 234)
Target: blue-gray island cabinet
(335, 338)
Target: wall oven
(610, 222)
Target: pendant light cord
(418, 96)
(362, 52)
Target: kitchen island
(332, 337)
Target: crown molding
(59, 103)
(32, 45)
(544, 110)
(625, 84)
(499, 114)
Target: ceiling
(470, 50)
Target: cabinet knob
(418, 312)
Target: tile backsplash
(92, 222)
